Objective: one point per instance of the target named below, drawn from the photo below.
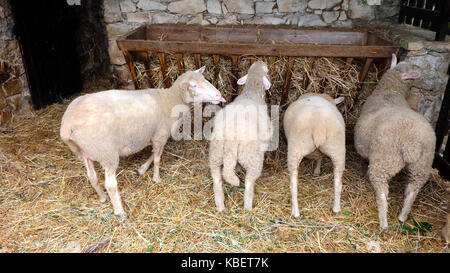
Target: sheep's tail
(319, 135)
(66, 133)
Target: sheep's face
(198, 89)
(406, 70)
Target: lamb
(107, 125)
(314, 127)
(392, 136)
(236, 138)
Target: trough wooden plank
(258, 49)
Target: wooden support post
(198, 60)
(365, 69)
(180, 63)
(148, 62)
(310, 64)
(234, 60)
(272, 60)
(348, 63)
(287, 81)
(130, 64)
(162, 63)
(216, 68)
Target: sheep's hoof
(295, 215)
(336, 210)
(102, 199)
(156, 180)
(140, 171)
(316, 173)
(221, 211)
(383, 228)
(402, 219)
(121, 216)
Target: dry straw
(48, 205)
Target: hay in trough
(48, 205)
(322, 75)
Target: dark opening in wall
(64, 46)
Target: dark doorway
(46, 32)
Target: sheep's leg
(250, 179)
(380, 171)
(113, 192)
(219, 196)
(336, 152)
(229, 163)
(146, 165)
(92, 176)
(339, 166)
(379, 180)
(317, 169)
(253, 172)
(417, 178)
(157, 158)
(294, 160)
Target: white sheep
(392, 136)
(241, 134)
(313, 127)
(107, 125)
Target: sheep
(106, 125)
(392, 136)
(314, 127)
(237, 139)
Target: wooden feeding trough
(267, 41)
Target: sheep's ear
(338, 100)
(411, 75)
(393, 61)
(266, 83)
(242, 80)
(201, 70)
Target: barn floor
(48, 205)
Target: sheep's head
(197, 89)
(257, 69)
(407, 72)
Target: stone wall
(14, 91)
(122, 16)
(432, 57)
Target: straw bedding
(48, 205)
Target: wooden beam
(198, 60)
(180, 63)
(162, 63)
(130, 65)
(148, 62)
(307, 50)
(234, 61)
(310, 64)
(365, 69)
(287, 82)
